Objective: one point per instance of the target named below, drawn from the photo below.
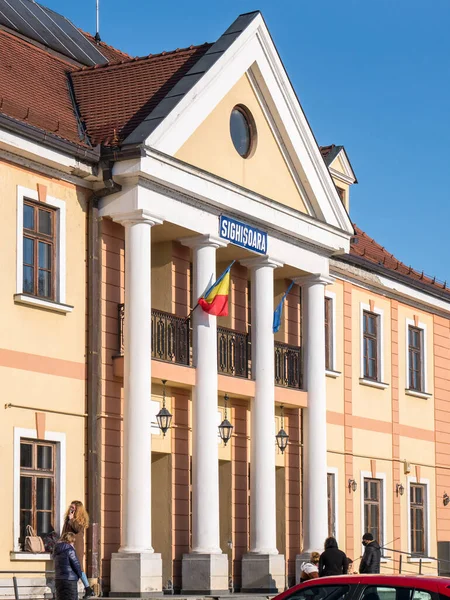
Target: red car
(370, 587)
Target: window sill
(30, 556)
(418, 394)
(417, 559)
(40, 303)
(385, 559)
(376, 384)
(333, 374)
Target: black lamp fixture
(225, 428)
(282, 437)
(399, 489)
(352, 485)
(164, 417)
(445, 499)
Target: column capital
(140, 215)
(202, 241)
(314, 279)
(261, 261)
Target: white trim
(373, 282)
(341, 177)
(60, 477)
(333, 374)
(379, 385)
(424, 359)
(332, 297)
(254, 46)
(382, 477)
(426, 483)
(380, 366)
(30, 556)
(60, 206)
(334, 471)
(41, 303)
(35, 151)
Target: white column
(315, 520)
(130, 568)
(205, 569)
(262, 568)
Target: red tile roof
(34, 88)
(109, 52)
(363, 246)
(114, 99)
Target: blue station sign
(243, 235)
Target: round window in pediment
(242, 131)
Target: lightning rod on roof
(97, 29)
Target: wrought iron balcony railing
(232, 352)
(171, 342)
(287, 365)
(170, 336)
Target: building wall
(42, 355)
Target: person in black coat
(332, 560)
(370, 562)
(67, 568)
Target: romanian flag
(215, 300)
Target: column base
(136, 574)
(263, 573)
(299, 560)
(205, 574)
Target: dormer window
(341, 194)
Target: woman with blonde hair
(76, 521)
(310, 569)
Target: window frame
(425, 482)
(383, 503)
(331, 298)
(380, 381)
(60, 479)
(57, 304)
(375, 337)
(333, 471)
(34, 473)
(37, 237)
(424, 361)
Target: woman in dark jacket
(67, 568)
(332, 561)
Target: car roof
(423, 581)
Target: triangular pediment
(243, 66)
(267, 171)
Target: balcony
(171, 342)
(170, 336)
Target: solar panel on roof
(43, 25)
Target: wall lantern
(282, 437)
(399, 489)
(352, 485)
(445, 499)
(164, 418)
(225, 428)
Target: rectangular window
(415, 352)
(329, 334)
(418, 518)
(373, 509)
(370, 345)
(39, 254)
(331, 496)
(37, 486)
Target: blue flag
(279, 311)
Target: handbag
(33, 542)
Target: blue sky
(373, 75)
